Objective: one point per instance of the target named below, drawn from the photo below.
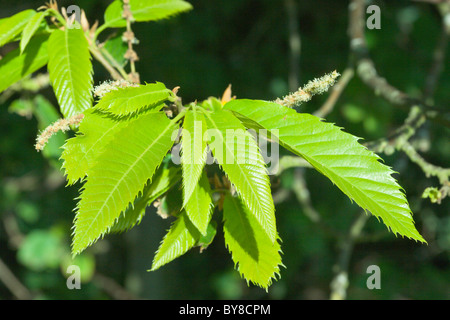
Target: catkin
(313, 87)
(60, 125)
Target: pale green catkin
(313, 87)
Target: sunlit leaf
(70, 70)
(181, 237)
(120, 174)
(357, 171)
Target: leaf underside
(338, 155)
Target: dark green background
(245, 43)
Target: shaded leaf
(181, 237)
(30, 29)
(15, 66)
(254, 254)
(13, 26)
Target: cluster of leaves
(121, 152)
(65, 46)
(123, 147)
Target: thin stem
(13, 284)
(339, 283)
(336, 92)
(97, 54)
(114, 62)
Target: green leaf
(237, 153)
(113, 15)
(80, 152)
(130, 100)
(15, 66)
(199, 206)
(70, 70)
(254, 254)
(164, 179)
(31, 28)
(181, 237)
(13, 26)
(338, 155)
(117, 49)
(193, 156)
(144, 10)
(207, 239)
(120, 174)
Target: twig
(13, 284)
(339, 283)
(295, 44)
(419, 111)
(302, 194)
(429, 169)
(112, 288)
(336, 92)
(438, 61)
(129, 37)
(366, 70)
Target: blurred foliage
(245, 43)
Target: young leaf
(15, 66)
(144, 10)
(153, 10)
(181, 237)
(164, 179)
(70, 70)
(80, 152)
(338, 155)
(130, 100)
(199, 206)
(13, 26)
(254, 254)
(30, 29)
(243, 164)
(193, 156)
(120, 174)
